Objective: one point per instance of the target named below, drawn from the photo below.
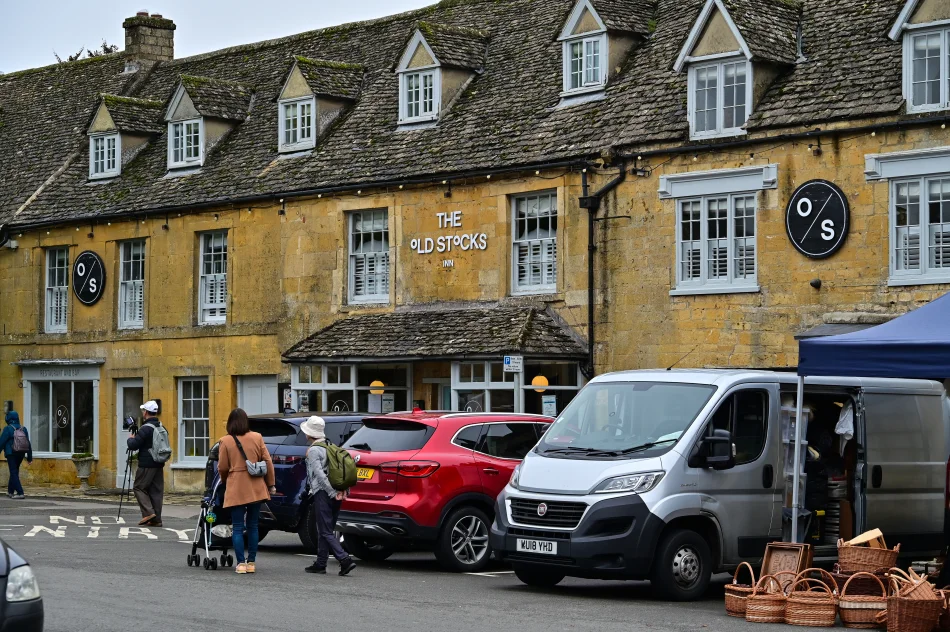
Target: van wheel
(369, 550)
(538, 578)
(307, 529)
(682, 567)
(463, 545)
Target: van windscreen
(625, 418)
(390, 436)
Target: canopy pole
(796, 479)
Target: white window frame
(587, 85)
(944, 58)
(352, 257)
(434, 74)
(924, 274)
(303, 381)
(486, 384)
(540, 288)
(55, 291)
(719, 63)
(185, 161)
(111, 155)
(131, 284)
(47, 374)
(301, 143)
(205, 278)
(731, 283)
(182, 435)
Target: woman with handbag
(248, 472)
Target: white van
(673, 475)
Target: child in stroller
(213, 531)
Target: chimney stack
(149, 37)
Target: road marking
(80, 520)
(11, 525)
(94, 532)
(59, 533)
(491, 573)
(125, 532)
(182, 533)
(304, 555)
(98, 520)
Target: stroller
(213, 531)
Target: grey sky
(30, 30)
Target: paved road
(101, 576)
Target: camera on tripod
(129, 424)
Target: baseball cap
(150, 406)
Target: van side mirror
(715, 451)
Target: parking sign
(514, 364)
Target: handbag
(254, 469)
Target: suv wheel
(307, 529)
(463, 545)
(369, 550)
(682, 566)
(538, 578)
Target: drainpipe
(592, 204)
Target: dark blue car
(288, 449)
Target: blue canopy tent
(915, 345)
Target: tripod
(126, 483)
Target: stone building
(372, 216)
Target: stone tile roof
(454, 333)
(218, 98)
(626, 16)
(137, 116)
(769, 27)
(505, 118)
(456, 46)
(330, 78)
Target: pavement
(104, 575)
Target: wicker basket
(943, 623)
(911, 615)
(852, 559)
(861, 610)
(811, 603)
(766, 604)
(911, 585)
(737, 594)
(866, 584)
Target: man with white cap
(149, 486)
(326, 501)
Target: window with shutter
(132, 285)
(213, 287)
(57, 289)
(920, 230)
(534, 247)
(716, 246)
(369, 257)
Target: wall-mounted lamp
(283, 208)
(815, 283)
(376, 387)
(215, 217)
(540, 383)
(448, 191)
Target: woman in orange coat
(244, 493)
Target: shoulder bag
(254, 469)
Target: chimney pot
(142, 13)
(156, 15)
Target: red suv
(429, 481)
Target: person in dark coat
(14, 459)
(149, 486)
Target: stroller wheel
(224, 560)
(197, 560)
(207, 563)
(191, 560)
(214, 564)
(230, 560)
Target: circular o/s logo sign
(62, 416)
(818, 219)
(542, 509)
(89, 277)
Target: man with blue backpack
(15, 443)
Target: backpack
(341, 468)
(21, 443)
(161, 449)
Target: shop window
(296, 124)
(716, 244)
(62, 417)
(483, 387)
(534, 243)
(549, 387)
(472, 372)
(213, 292)
(369, 257)
(57, 289)
(508, 441)
(132, 284)
(346, 387)
(745, 415)
(920, 229)
(720, 98)
(927, 70)
(104, 156)
(194, 415)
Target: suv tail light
(410, 469)
(279, 459)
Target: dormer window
(419, 96)
(719, 98)
(105, 156)
(584, 44)
(296, 124)
(185, 143)
(925, 27)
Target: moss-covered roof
(218, 98)
(135, 116)
(331, 78)
(455, 46)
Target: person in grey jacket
(326, 501)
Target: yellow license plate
(363, 473)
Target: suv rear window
(390, 436)
(274, 430)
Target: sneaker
(347, 566)
(313, 568)
(18, 496)
(146, 519)
(251, 568)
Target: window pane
(82, 417)
(62, 417)
(925, 69)
(194, 427)
(706, 98)
(471, 401)
(577, 65)
(508, 441)
(369, 255)
(557, 374)
(690, 248)
(592, 62)
(502, 401)
(535, 242)
(468, 437)
(734, 95)
(40, 416)
(938, 200)
(717, 243)
(744, 249)
(338, 401)
(907, 225)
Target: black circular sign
(89, 277)
(818, 219)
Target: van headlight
(516, 476)
(636, 483)
(21, 585)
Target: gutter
(592, 204)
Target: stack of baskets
(913, 605)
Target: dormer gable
(118, 129)
(917, 14)
(314, 94)
(924, 26)
(436, 65)
(201, 112)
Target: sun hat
(314, 428)
(150, 406)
